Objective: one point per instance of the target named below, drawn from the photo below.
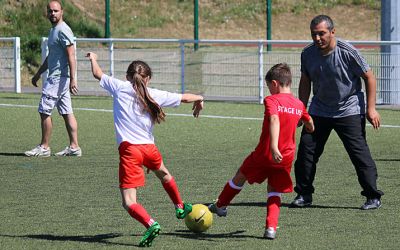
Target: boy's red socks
(273, 210)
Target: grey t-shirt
(336, 82)
(60, 37)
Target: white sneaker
(38, 151)
(68, 151)
(270, 233)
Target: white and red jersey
(132, 123)
(290, 110)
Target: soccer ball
(200, 219)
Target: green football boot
(151, 233)
(181, 213)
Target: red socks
(172, 190)
(273, 210)
(228, 193)
(138, 212)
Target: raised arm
(198, 102)
(370, 87)
(96, 70)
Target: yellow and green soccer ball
(200, 219)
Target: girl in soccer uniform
(136, 108)
(272, 159)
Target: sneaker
(371, 204)
(270, 233)
(38, 151)
(302, 200)
(220, 211)
(181, 213)
(151, 233)
(68, 151)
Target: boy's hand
(276, 155)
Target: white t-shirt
(132, 123)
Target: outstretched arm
(96, 70)
(198, 102)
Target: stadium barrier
(220, 69)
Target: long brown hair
(139, 70)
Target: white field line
(170, 114)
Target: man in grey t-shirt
(61, 63)
(334, 69)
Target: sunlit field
(74, 203)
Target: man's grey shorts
(56, 94)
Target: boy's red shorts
(257, 170)
(132, 158)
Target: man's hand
(374, 118)
(73, 86)
(35, 78)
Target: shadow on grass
(100, 238)
(264, 204)
(186, 234)
(12, 154)
(320, 206)
(387, 159)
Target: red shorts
(257, 170)
(132, 158)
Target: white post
(17, 64)
(111, 49)
(260, 73)
(182, 46)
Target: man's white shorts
(56, 93)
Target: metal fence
(219, 69)
(10, 64)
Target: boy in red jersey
(272, 159)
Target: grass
(74, 203)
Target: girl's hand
(197, 107)
(91, 56)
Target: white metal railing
(219, 69)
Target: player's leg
(131, 176)
(279, 181)
(230, 190)
(310, 148)
(273, 211)
(138, 212)
(351, 131)
(169, 184)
